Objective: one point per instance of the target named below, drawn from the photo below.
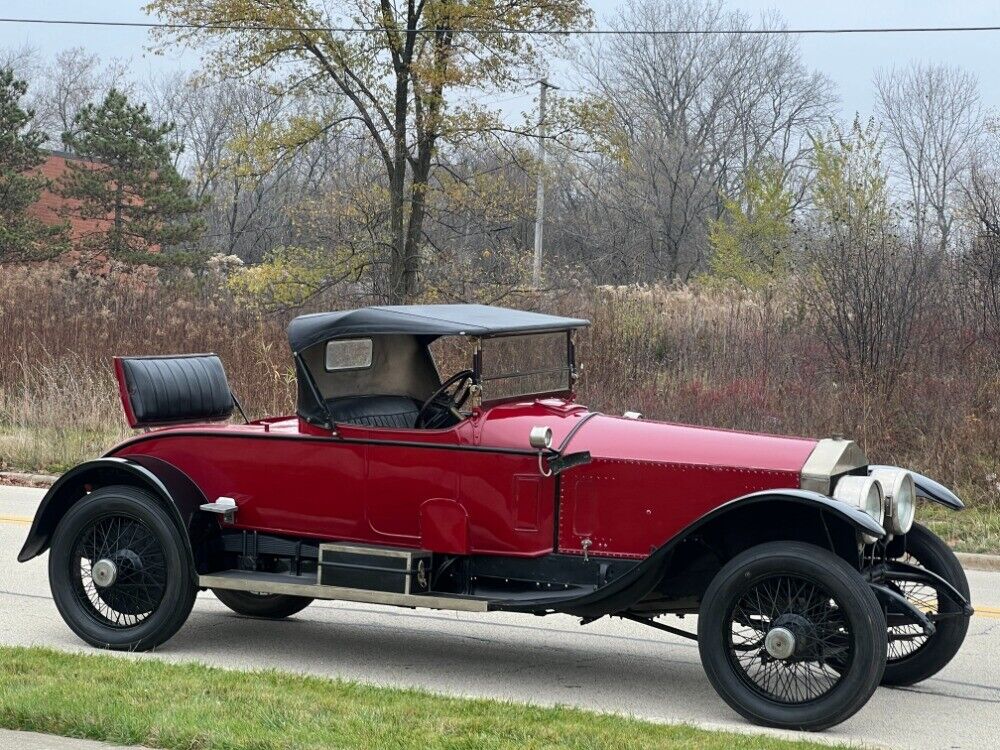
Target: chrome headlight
(864, 493)
(900, 496)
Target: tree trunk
(397, 262)
(117, 236)
(418, 209)
(401, 285)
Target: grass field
(975, 529)
(192, 707)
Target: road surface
(609, 665)
(32, 741)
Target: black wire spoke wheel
(792, 636)
(785, 632)
(913, 655)
(907, 639)
(121, 570)
(131, 575)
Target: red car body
(647, 480)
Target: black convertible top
(430, 321)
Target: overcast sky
(849, 60)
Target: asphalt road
(609, 665)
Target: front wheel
(772, 622)
(119, 571)
(267, 606)
(913, 655)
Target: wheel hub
(794, 636)
(780, 643)
(104, 572)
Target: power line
(523, 32)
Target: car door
(437, 490)
(404, 468)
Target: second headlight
(900, 496)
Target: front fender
(179, 495)
(860, 520)
(928, 489)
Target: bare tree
(72, 79)
(933, 117)
(252, 194)
(868, 286)
(25, 61)
(696, 112)
(981, 259)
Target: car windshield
(525, 365)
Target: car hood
(661, 442)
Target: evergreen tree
(130, 182)
(21, 236)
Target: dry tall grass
(714, 358)
(58, 398)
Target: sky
(850, 61)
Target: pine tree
(22, 237)
(129, 183)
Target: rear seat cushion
(375, 411)
(176, 389)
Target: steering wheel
(446, 400)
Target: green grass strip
(193, 707)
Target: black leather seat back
(374, 411)
(177, 389)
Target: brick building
(86, 252)
(52, 208)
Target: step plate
(275, 583)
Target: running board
(277, 583)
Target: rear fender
(177, 493)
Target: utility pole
(536, 270)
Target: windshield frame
(569, 391)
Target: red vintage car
(493, 490)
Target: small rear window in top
(348, 354)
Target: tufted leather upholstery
(375, 411)
(176, 389)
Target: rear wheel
(269, 606)
(771, 623)
(119, 571)
(914, 656)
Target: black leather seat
(175, 389)
(375, 411)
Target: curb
(969, 560)
(30, 480)
(977, 561)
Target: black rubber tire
(861, 610)
(932, 553)
(179, 590)
(267, 606)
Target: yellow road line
(16, 519)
